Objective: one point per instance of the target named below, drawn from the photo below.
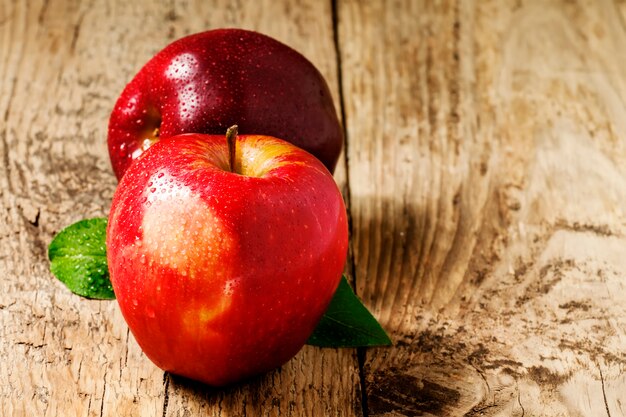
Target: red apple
(222, 275)
(206, 82)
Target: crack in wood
(104, 390)
(35, 221)
(519, 401)
(361, 357)
(606, 404)
(482, 376)
(80, 368)
(166, 392)
(127, 347)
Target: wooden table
(485, 173)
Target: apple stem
(231, 139)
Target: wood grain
(486, 165)
(485, 176)
(63, 63)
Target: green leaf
(78, 258)
(348, 323)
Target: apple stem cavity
(231, 139)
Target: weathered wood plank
(59, 351)
(63, 63)
(488, 185)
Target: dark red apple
(206, 82)
(222, 275)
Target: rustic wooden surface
(485, 172)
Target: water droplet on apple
(230, 286)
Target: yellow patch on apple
(188, 239)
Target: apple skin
(219, 275)
(206, 82)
